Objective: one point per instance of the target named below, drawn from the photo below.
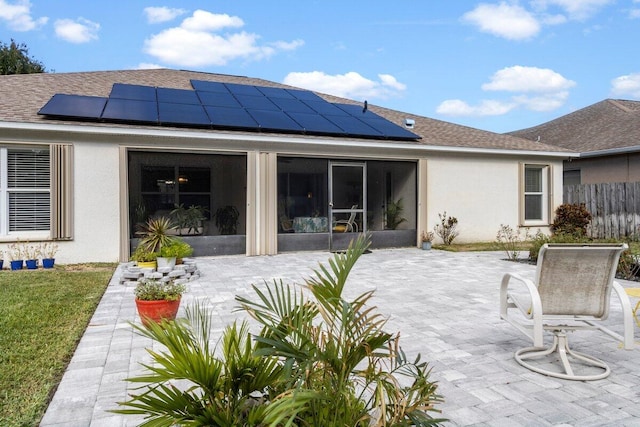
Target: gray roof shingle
(605, 125)
(22, 96)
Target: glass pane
(29, 211)
(302, 190)
(194, 180)
(533, 207)
(533, 180)
(28, 168)
(158, 179)
(348, 187)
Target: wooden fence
(615, 207)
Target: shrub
(571, 219)
(540, 239)
(511, 241)
(447, 228)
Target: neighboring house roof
(23, 95)
(607, 127)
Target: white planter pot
(166, 262)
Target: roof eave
(610, 152)
(280, 139)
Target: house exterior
(79, 165)
(607, 136)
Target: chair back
(576, 279)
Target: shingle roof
(22, 96)
(608, 124)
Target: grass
(43, 314)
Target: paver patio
(444, 304)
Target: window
(536, 194)
(25, 194)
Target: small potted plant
(174, 252)
(15, 256)
(427, 238)
(157, 300)
(31, 254)
(144, 258)
(48, 252)
(1, 258)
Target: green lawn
(43, 314)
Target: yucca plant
(154, 234)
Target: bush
(511, 241)
(447, 228)
(571, 219)
(540, 239)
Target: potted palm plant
(188, 221)
(227, 219)
(158, 300)
(394, 214)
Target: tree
(14, 59)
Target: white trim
(419, 148)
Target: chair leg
(561, 347)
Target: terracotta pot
(155, 311)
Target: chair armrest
(627, 315)
(536, 305)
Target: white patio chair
(571, 291)
(347, 225)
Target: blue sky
(493, 65)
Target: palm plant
(319, 360)
(188, 385)
(337, 355)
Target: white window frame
(5, 191)
(545, 194)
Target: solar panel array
(228, 106)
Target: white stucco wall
(481, 192)
(96, 205)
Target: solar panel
(182, 114)
(228, 105)
(177, 96)
(275, 92)
(140, 93)
(131, 110)
(292, 105)
(315, 123)
(275, 120)
(84, 107)
(218, 99)
(238, 89)
(230, 117)
(256, 102)
(209, 86)
(352, 126)
(305, 95)
(389, 129)
(325, 108)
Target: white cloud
(626, 86)
(18, 16)
(509, 21)
(459, 108)
(147, 66)
(549, 89)
(528, 79)
(348, 85)
(197, 42)
(156, 15)
(79, 31)
(576, 9)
